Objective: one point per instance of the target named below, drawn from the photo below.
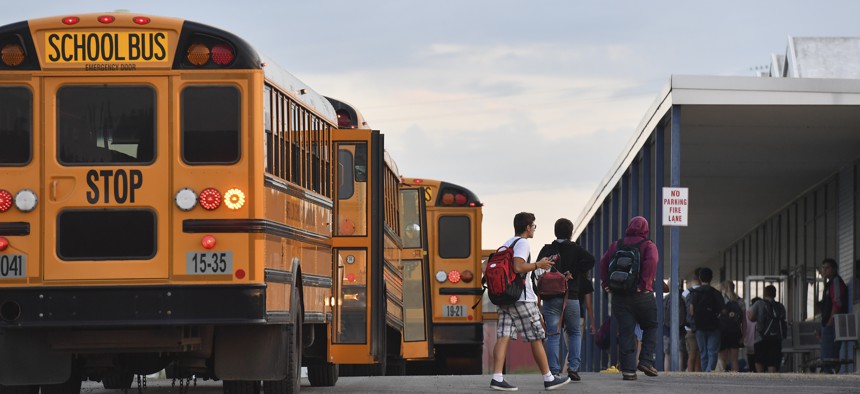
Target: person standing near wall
(769, 316)
(705, 307)
(834, 300)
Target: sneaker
(573, 375)
(648, 369)
(502, 386)
(556, 383)
(628, 375)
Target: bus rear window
(16, 125)
(210, 124)
(106, 124)
(455, 237)
(93, 234)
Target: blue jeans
(709, 347)
(551, 316)
(829, 347)
(629, 310)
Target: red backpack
(503, 284)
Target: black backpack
(730, 321)
(773, 325)
(706, 308)
(623, 270)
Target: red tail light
(106, 19)
(460, 199)
(453, 299)
(454, 276)
(210, 199)
(208, 242)
(222, 54)
(5, 200)
(71, 20)
(4, 243)
(141, 20)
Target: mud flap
(26, 358)
(251, 352)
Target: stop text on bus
(120, 183)
(108, 47)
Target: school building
(770, 165)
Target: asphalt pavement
(670, 382)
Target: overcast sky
(526, 103)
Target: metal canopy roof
(749, 146)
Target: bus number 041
(12, 266)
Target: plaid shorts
(522, 317)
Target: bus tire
(30, 389)
(118, 380)
(292, 382)
(323, 375)
(241, 387)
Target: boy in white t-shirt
(523, 316)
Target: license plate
(13, 265)
(209, 263)
(454, 311)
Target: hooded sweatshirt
(637, 230)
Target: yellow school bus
(165, 199)
(453, 234)
(380, 319)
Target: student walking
(523, 317)
(574, 262)
(635, 303)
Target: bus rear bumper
(458, 334)
(132, 306)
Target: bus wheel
(323, 375)
(32, 389)
(118, 380)
(292, 382)
(241, 387)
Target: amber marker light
(208, 242)
(234, 199)
(198, 54)
(12, 55)
(467, 276)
